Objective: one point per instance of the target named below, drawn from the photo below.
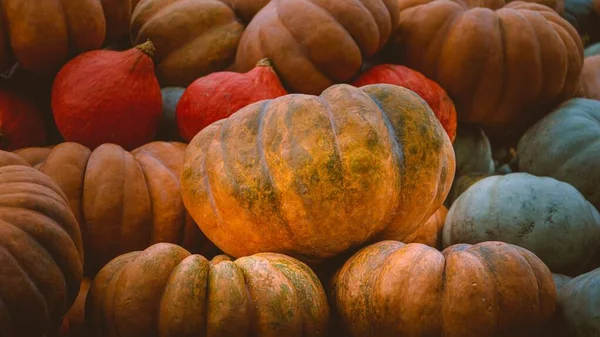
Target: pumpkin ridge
(251, 311)
(438, 43)
(539, 288)
(26, 274)
(483, 262)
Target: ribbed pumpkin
(124, 201)
(502, 64)
(489, 289)
(579, 300)
(324, 45)
(546, 216)
(565, 145)
(185, 54)
(431, 92)
(560, 280)
(590, 77)
(584, 15)
(41, 252)
(166, 291)
(55, 30)
(430, 232)
(311, 176)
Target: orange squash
(313, 176)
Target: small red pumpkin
(108, 96)
(430, 91)
(21, 123)
(218, 95)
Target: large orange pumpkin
(489, 289)
(124, 201)
(184, 54)
(312, 176)
(43, 35)
(503, 65)
(40, 252)
(166, 291)
(314, 44)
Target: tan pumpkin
(43, 35)
(503, 64)
(184, 54)
(315, 44)
(590, 77)
(124, 201)
(489, 289)
(41, 252)
(166, 291)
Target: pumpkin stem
(265, 63)
(147, 48)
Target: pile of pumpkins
(356, 168)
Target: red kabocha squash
(218, 95)
(55, 30)
(21, 123)
(166, 291)
(390, 289)
(503, 63)
(314, 176)
(41, 253)
(315, 44)
(185, 54)
(431, 92)
(124, 201)
(107, 96)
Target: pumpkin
(124, 201)
(166, 291)
(430, 91)
(592, 50)
(565, 145)
(55, 30)
(218, 95)
(546, 216)
(584, 15)
(34, 156)
(323, 46)
(41, 253)
(473, 151)
(579, 302)
(590, 77)
(560, 280)
(21, 123)
(185, 54)
(489, 289)
(430, 232)
(108, 96)
(74, 321)
(515, 61)
(461, 184)
(167, 129)
(312, 176)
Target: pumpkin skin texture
(560, 280)
(413, 80)
(473, 151)
(319, 174)
(218, 95)
(489, 289)
(565, 145)
(590, 77)
(584, 15)
(41, 256)
(21, 123)
(515, 61)
(347, 32)
(124, 201)
(166, 291)
(108, 97)
(185, 54)
(546, 216)
(579, 300)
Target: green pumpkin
(579, 300)
(461, 184)
(591, 50)
(565, 145)
(472, 150)
(548, 217)
(560, 280)
(584, 16)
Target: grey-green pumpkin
(579, 300)
(544, 215)
(565, 145)
(472, 150)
